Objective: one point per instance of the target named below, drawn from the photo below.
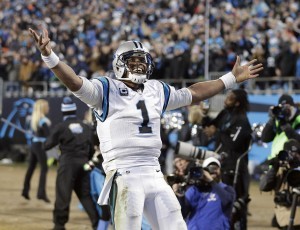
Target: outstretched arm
(203, 90)
(62, 71)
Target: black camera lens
(196, 172)
(276, 109)
(283, 155)
(281, 111)
(293, 177)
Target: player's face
(230, 100)
(137, 65)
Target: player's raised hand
(247, 71)
(42, 41)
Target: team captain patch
(123, 91)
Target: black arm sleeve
(267, 181)
(227, 194)
(290, 132)
(53, 138)
(185, 206)
(269, 131)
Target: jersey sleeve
(178, 98)
(91, 93)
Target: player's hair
(242, 98)
(40, 108)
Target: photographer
(192, 130)
(276, 179)
(207, 202)
(283, 124)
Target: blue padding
(167, 91)
(105, 101)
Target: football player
(128, 111)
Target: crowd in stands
(88, 31)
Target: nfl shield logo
(123, 91)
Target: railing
(274, 85)
(16, 89)
(271, 85)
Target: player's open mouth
(138, 70)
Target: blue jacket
(97, 182)
(210, 209)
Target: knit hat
(286, 99)
(68, 105)
(211, 160)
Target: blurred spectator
(286, 60)
(192, 131)
(40, 126)
(297, 86)
(27, 68)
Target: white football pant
(144, 191)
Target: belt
(143, 169)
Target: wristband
(52, 60)
(229, 80)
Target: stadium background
(264, 29)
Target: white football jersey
(128, 121)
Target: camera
(189, 151)
(193, 177)
(281, 112)
(257, 129)
(238, 211)
(293, 177)
(240, 204)
(283, 198)
(175, 179)
(283, 156)
(282, 159)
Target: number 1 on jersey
(144, 128)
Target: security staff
(74, 139)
